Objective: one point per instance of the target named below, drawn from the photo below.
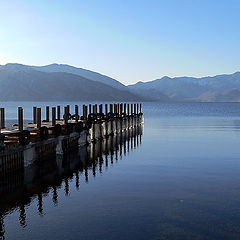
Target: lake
(177, 178)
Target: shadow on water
(20, 188)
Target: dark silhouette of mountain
(23, 83)
(224, 88)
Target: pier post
(128, 116)
(65, 117)
(121, 109)
(68, 110)
(118, 109)
(137, 108)
(35, 115)
(140, 108)
(20, 119)
(90, 108)
(111, 108)
(39, 120)
(125, 109)
(84, 112)
(2, 118)
(131, 117)
(106, 120)
(47, 113)
(120, 119)
(106, 109)
(76, 113)
(95, 109)
(58, 112)
(100, 108)
(134, 117)
(53, 116)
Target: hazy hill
(151, 94)
(31, 85)
(57, 82)
(67, 69)
(232, 95)
(224, 88)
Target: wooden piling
(68, 111)
(100, 108)
(134, 108)
(111, 108)
(125, 109)
(140, 108)
(39, 120)
(118, 108)
(83, 112)
(2, 118)
(95, 109)
(53, 116)
(35, 115)
(86, 112)
(106, 109)
(137, 108)
(131, 109)
(76, 113)
(20, 119)
(84, 109)
(128, 109)
(90, 108)
(65, 117)
(47, 113)
(58, 112)
(121, 109)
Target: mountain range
(220, 88)
(60, 82)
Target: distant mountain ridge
(220, 88)
(61, 82)
(67, 69)
(26, 83)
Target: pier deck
(21, 144)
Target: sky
(129, 40)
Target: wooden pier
(21, 144)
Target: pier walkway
(21, 144)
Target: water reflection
(19, 189)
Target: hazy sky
(127, 40)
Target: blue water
(181, 182)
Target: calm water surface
(180, 180)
